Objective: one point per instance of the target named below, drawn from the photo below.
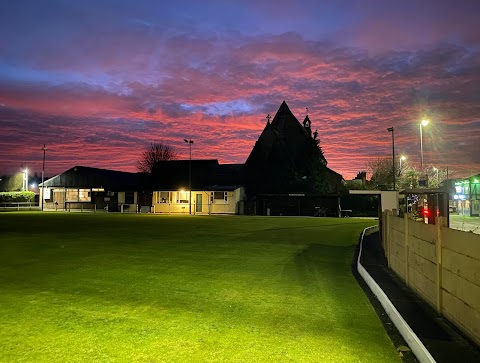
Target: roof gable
(284, 138)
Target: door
(198, 203)
(59, 199)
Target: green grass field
(142, 288)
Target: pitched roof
(86, 177)
(205, 174)
(285, 136)
(283, 153)
(285, 122)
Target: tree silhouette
(382, 172)
(154, 153)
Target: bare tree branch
(154, 153)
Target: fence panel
(443, 268)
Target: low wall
(440, 264)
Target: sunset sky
(98, 80)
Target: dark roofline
(334, 172)
(193, 160)
(106, 177)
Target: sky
(99, 80)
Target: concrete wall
(441, 265)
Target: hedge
(16, 197)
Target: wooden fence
(440, 264)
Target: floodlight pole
(422, 125)
(189, 142)
(421, 149)
(402, 158)
(43, 174)
(392, 130)
(25, 179)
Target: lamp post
(392, 130)
(422, 125)
(43, 174)
(189, 142)
(436, 171)
(25, 180)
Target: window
(163, 197)
(71, 195)
(129, 197)
(78, 195)
(219, 198)
(84, 195)
(182, 197)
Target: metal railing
(6, 206)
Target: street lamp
(189, 142)
(392, 130)
(436, 170)
(43, 174)
(422, 125)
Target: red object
(425, 212)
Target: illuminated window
(78, 195)
(164, 197)
(71, 195)
(182, 197)
(84, 195)
(218, 197)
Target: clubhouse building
(285, 174)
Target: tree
(309, 173)
(406, 177)
(154, 153)
(382, 172)
(435, 176)
(15, 182)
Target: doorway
(198, 203)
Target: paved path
(441, 339)
(465, 223)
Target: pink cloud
(352, 98)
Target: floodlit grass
(142, 288)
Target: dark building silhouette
(287, 159)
